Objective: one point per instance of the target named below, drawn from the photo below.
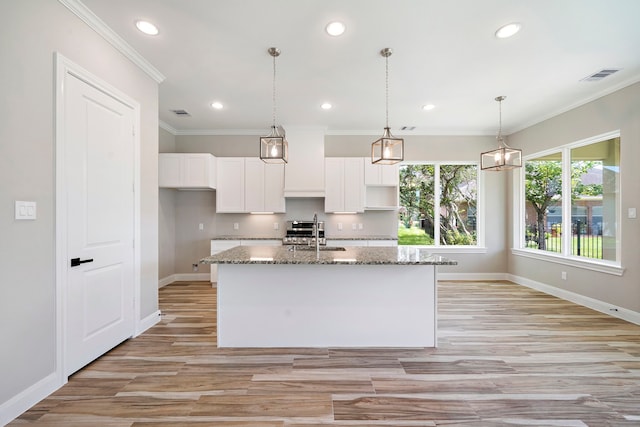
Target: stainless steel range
(301, 233)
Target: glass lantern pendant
(273, 147)
(503, 157)
(388, 149)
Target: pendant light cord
(274, 91)
(386, 60)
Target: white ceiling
(445, 53)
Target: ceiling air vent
(181, 113)
(407, 128)
(600, 75)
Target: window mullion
(436, 204)
(567, 234)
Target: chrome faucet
(316, 234)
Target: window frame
(479, 247)
(566, 257)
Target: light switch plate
(25, 210)
(631, 213)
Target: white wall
(166, 216)
(30, 32)
(618, 111)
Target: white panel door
(99, 164)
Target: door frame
(64, 67)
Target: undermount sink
(322, 248)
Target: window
(438, 205)
(571, 201)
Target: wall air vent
(407, 128)
(600, 75)
(181, 113)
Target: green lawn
(413, 236)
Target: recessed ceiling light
(428, 107)
(147, 28)
(326, 106)
(335, 28)
(508, 30)
(217, 105)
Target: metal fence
(586, 239)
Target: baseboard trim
(592, 303)
(473, 276)
(20, 403)
(147, 322)
(184, 277)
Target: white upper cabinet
(187, 170)
(344, 184)
(380, 175)
(263, 186)
(305, 171)
(247, 184)
(230, 191)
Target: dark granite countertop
(357, 255)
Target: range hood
(304, 172)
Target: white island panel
(300, 305)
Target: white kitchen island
(358, 297)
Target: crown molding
(631, 81)
(166, 126)
(92, 20)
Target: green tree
(457, 194)
(543, 188)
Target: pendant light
(388, 149)
(273, 147)
(504, 157)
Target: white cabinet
(187, 170)
(382, 243)
(344, 184)
(230, 191)
(247, 184)
(305, 170)
(380, 175)
(264, 186)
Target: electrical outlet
(195, 267)
(236, 226)
(359, 226)
(201, 226)
(354, 226)
(276, 226)
(339, 226)
(564, 275)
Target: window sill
(451, 249)
(602, 267)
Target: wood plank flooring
(507, 356)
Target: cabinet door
(372, 172)
(354, 184)
(230, 191)
(169, 170)
(389, 175)
(196, 170)
(254, 185)
(334, 184)
(274, 188)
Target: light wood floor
(507, 356)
